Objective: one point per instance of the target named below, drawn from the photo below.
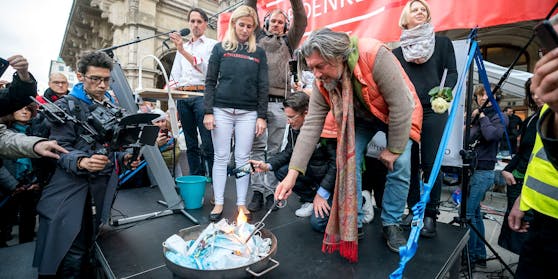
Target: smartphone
(293, 68)
(4, 64)
(165, 131)
(547, 35)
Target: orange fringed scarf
(341, 232)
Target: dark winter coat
(61, 207)
(237, 79)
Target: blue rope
(484, 79)
(407, 252)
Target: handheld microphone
(183, 32)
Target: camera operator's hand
(477, 112)
(94, 163)
(20, 64)
(48, 149)
(132, 165)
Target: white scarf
(418, 43)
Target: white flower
(439, 105)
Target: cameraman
(83, 178)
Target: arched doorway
(167, 59)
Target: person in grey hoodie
(278, 37)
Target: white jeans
(243, 123)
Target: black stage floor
(135, 251)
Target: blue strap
(484, 79)
(407, 252)
(130, 173)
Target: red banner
(379, 18)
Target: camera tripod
(468, 154)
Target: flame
(241, 219)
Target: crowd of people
(353, 90)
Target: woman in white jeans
(235, 99)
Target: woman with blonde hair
(236, 95)
(424, 57)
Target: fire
(241, 219)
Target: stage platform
(134, 250)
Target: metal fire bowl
(256, 269)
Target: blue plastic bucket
(192, 190)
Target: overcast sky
(34, 29)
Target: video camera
(109, 125)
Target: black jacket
(237, 80)
(322, 163)
(528, 133)
(17, 95)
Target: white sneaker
(367, 207)
(305, 210)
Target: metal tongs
(260, 225)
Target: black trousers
(374, 178)
(540, 251)
(423, 158)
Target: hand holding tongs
(260, 225)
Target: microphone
(183, 32)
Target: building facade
(100, 24)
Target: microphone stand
(109, 50)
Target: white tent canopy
(514, 85)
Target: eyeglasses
(294, 117)
(59, 82)
(97, 80)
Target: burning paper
(219, 246)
